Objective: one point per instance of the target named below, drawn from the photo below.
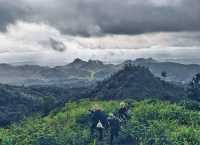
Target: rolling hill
(176, 72)
(78, 73)
(16, 103)
(136, 82)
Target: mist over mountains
(83, 73)
(30, 89)
(78, 71)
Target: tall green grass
(152, 122)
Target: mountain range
(77, 73)
(131, 82)
(175, 72)
(83, 73)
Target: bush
(47, 140)
(152, 122)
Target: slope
(176, 72)
(152, 122)
(135, 82)
(16, 102)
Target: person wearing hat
(123, 111)
(99, 121)
(114, 124)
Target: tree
(48, 104)
(128, 65)
(194, 88)
(164, 74)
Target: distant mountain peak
(78, 60)
(97, 62)
(5, 64)
(89, 62)
(145, 60)
(141, 61)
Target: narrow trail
(92, 75)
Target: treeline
(136, 82)
(16, 103)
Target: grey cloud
(184, 39)
(10, 11)
(57, 45)
(97, 17)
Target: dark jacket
(114, 124)
(101, 116)
(123, 113)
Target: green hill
(17, 102)
(152, 122)
(136, 82)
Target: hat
(122, 104)
(96, 107)
(111, 114)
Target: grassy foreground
(152, 123)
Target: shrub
(152, 122)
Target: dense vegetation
(136, 82)
(176, 72)
(194, 88)
(16, 103)
(133, 82)
(152, 122)
(155, 117)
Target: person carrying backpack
(123, 111)
(99, 121)
(114, 124)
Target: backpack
(99, 125)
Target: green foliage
(152, 122)
(194, 88)
(190, 104)
(48, 103)
(136, 82)
(17, 102)
(164, 74)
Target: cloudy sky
(54, 32)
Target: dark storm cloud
(96, 17)
(10, 11)
(57, 45)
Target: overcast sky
(54, 32)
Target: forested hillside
(176, 72)
(160, 112)
(136, 82)
(17, 103)
(152, 122)
(133, 82)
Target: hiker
(123, 111)
(99, 121)
(114, 124)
